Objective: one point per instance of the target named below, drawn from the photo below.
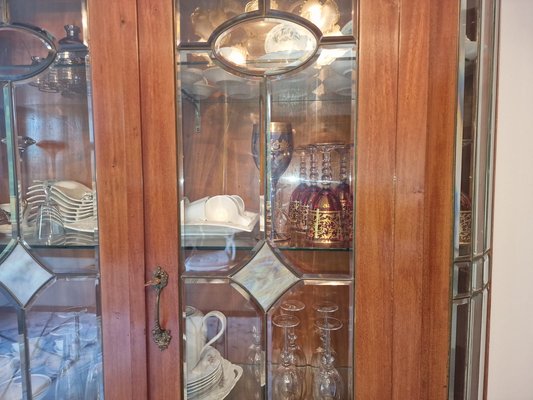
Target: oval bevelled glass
(31, 51)
(265, 46)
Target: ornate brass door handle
(159, 281)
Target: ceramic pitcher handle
(222, 319)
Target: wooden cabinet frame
(405, 158)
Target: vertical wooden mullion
(376, 140)
(408, 298)
(117, 128)
(159, 121)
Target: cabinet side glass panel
(474, 175)
(49, 194)
(484, 122)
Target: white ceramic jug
(196, 331)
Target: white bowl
(189, 76)
(202, 91)
(239, 91)
(221, 77)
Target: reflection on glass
(265, 47)
(323, 13)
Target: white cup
(222, 208)
(196, 334)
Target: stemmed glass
(344, 194)
(287, 382)
(324, 310)
(281, 148)
(292, 307)
(49, 228)
(325, 227)
(69, 383)
(327, 382)
(308, 196)
(256, 357)
(298, 192)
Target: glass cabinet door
(266, 110)
(49, 273)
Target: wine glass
(281, 148)
(298, 192)
(49, 227)
(327, 382)
(287, 382)
(256, 358)
(344, 194)
(307, 197)
(293, 307)
(325, 226)
(324, 310)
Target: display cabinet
(50, 342)
(280, 195)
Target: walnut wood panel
(409, 265)
(117, 126)
(438, 230)
(377, 94)
(156, 41)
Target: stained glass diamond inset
(22, 275)
(265, 277)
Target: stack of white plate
(77, 204)
(206, 374)
(213, 378)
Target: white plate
(84, 225)
(209, 364)
(289, 37)
(220, 76)
(211, 261)
(72, 189)
(207, 383)
(208, 228)
(231, 375)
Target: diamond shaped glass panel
(22, 275)
(266, 277)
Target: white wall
(511, 331)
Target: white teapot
(196, 333)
